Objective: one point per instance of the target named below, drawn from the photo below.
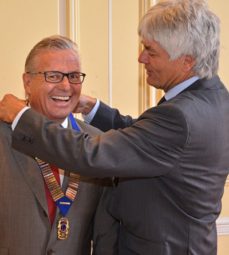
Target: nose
(64, 84)
(143, 57)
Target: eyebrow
(150, 49)
(147, 47)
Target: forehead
(150, 44)
(153, 46)
(51, 58)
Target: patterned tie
(50, 202)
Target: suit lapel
(33, 177)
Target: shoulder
(88, 128)
(6, 136)
(5, 129)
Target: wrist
(89, 106)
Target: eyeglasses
(56, 76)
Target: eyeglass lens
(74, 77)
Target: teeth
(63, 98)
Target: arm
(105, 117)
(156, 139)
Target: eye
(53, 76)
(74, 75)
(152, 53)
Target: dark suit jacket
(172, 163)
(24, 223)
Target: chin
(151, 82)
(59, 117)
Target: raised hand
(10, 106)
(85, 105)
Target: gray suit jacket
(24, 222)
(172, 163)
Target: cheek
(77, 91)
(75, 96)
(27, 91)
(38, 97)
(156, 65)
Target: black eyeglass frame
(62, 76)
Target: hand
(10, 106)
(85, 105)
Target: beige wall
(223, 240)
(223, 245)
(93, 41)
(22, 24)
(109, 47)
(221, 7)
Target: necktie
(50, 202)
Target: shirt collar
(180, 87)
(65, 123)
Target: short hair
(54, 42)
(185, 27)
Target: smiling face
(54, 100)
(164, 73)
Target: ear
(27, 83)
(189, 63)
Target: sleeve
(18, 116)
(107, 118)
(150, 147)
(89, 117)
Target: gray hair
(185, 27)
(54, 42)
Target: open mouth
(61, 98)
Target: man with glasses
(45, 210)
(56, 77)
